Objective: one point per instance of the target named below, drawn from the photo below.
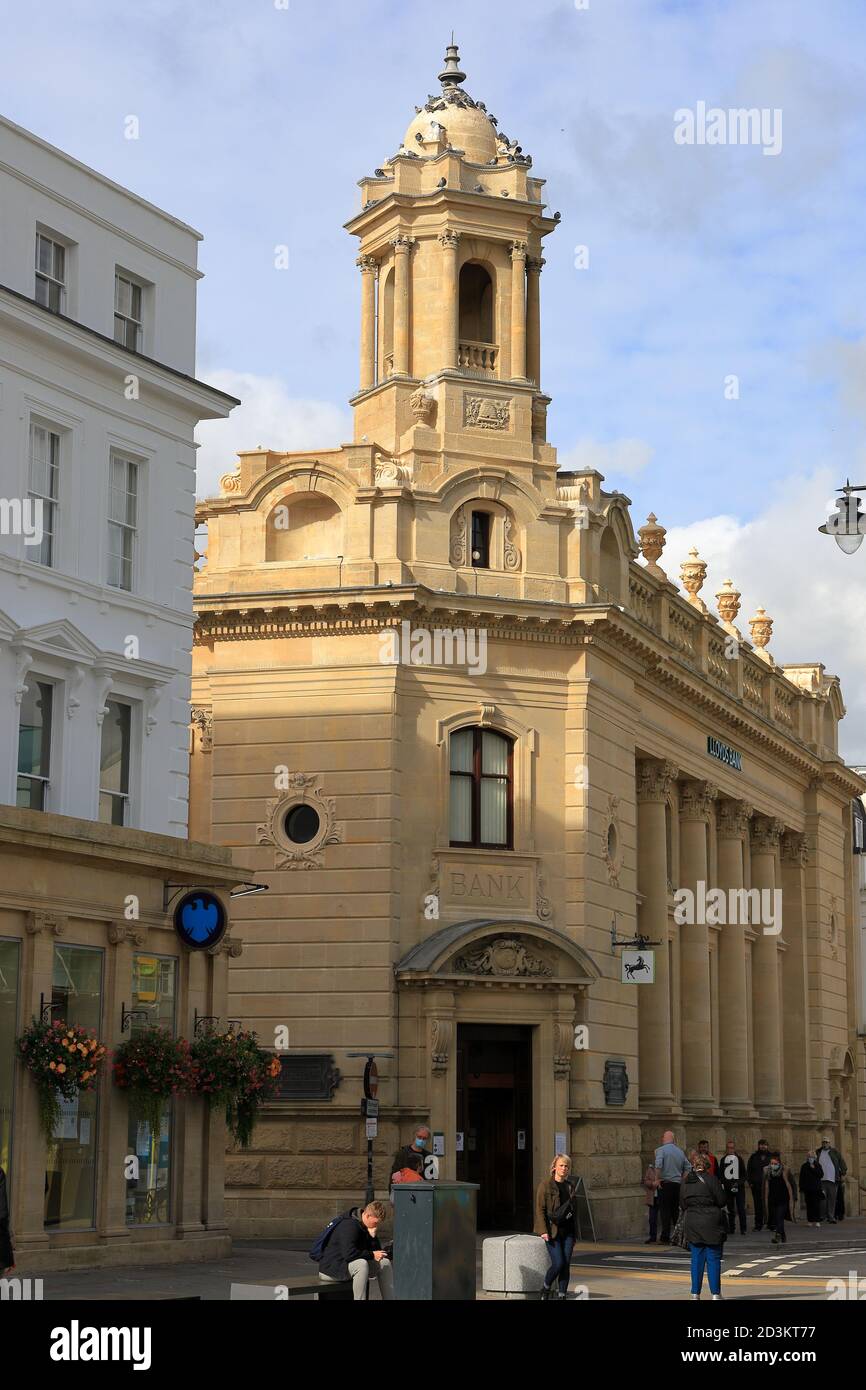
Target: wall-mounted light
(848, 525)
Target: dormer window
(481, 540)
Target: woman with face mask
(810, 1186)
(778, 1196)
(703, 1201)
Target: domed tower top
(450, 232)
(453, 117)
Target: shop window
(70, 1178)
(154, 994)
(8, 1032)
(481, 793)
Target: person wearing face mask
(810, 1186)
(703, 1202)
(778, 1197)
(410, 1159)
(833, 1170)
(755, 1178)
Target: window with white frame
(50, 273)
(34, 745)
(114, 764)
(122, 520)
(128, 322)
(44, 489)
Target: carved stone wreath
(505, 956)
(301, 791)
(611, 852)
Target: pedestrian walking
(732, 1175)
(755, 1178)
(554, 1222)
(833, 1170)
(778, 1196)
(810, 1186)
(651, 1190)
(705, 1227)
(670, 1165)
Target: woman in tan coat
(554, 1222)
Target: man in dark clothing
(412, 1155)
(755, 1178)
(732, 1175)
(353, 1252)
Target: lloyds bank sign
(730, 756)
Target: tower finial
(451, 76)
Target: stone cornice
(262, 615)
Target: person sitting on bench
(353, 1252)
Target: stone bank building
(450, 846)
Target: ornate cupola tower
(450, 233)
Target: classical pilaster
(518, 310)
(732, 830)
(654, 781)
(534, 266)
(795, 987)
(766, 989)
(368, 267)
(450, 297)
(696, 801)
(402, 247)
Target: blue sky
(705, 261)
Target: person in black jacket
(353, 1252)
(7, 1256)
(755, 1177)
(702, 1199)
(732, 1174)
(810, 1186)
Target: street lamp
(848, 525)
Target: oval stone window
(301, 824)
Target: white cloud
(815, 594)
(267, 416)
(624, 457)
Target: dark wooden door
(494, 1108)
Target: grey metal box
(434, 1240)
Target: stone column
(696, 799)
(654, 781)
(368, 267)
(402, 246)
(795, 981)
(439, 1025)
(732, 829)
(450, 298)
(518, 310)
(27, 1218)
(533, 318)
(766, 1000)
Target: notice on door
(521, 1139)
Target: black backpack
(318, 1247)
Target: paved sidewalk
(274, 1261)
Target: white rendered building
(98, 404)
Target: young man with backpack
(349, 1249)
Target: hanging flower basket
(234, 1072)
(153, 1066)
(63, 1060)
